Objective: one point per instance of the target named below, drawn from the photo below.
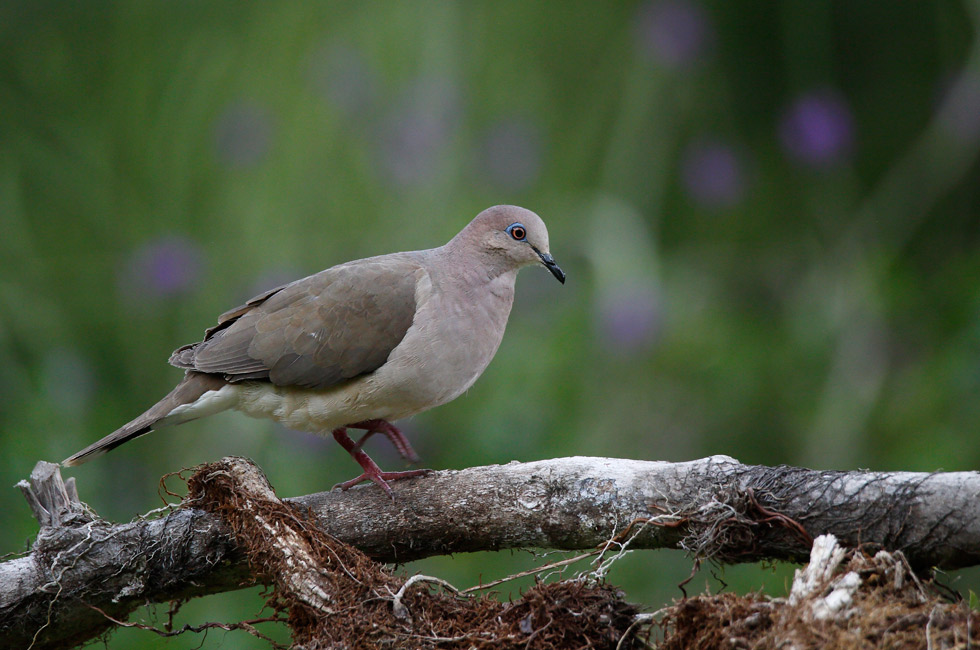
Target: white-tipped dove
(359, 344)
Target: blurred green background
(768, 213)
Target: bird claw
(397, 438)
(381, 479)
(371, 470)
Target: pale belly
(365, 398)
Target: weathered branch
(714, 507)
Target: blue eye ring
(517, 231)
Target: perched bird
(359, 344)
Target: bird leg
(371, 470)
(396, 437)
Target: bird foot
(391, 432)
(371, 470)
(381, 479)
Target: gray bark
(714, 507)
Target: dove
(360, 344)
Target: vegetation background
(768, 213)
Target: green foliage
(768, 215)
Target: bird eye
(517, 231)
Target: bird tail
(166, 412)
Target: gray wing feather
(315, 332)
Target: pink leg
(396, 437)
(371, 470)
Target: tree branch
(714, 507)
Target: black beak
(549, 263)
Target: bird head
(513, 238)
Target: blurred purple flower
(630, 318)
(675, 33)
(162, 268)
(416, 131)
(243, 134)
(68, 381)
(271, 278)
(304, 441)
(712, 173)
(512, 153)
(959, 109)
(818, 129)
(344, 78)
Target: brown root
(853, 601)
(334, 596)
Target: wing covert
(316, 332)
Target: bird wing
(315, 332)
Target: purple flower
(414, 135)
(959, 110)
(68, 381)
(304, 442)
(243, 134)
(712, 174)
(272, 278)
(674, 33)
(818, 129)
(512, 154)
(341, 74)
(630, 317)
(268, 279)
(162, 268)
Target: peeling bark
(714, 507)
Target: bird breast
(451, 342)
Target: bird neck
(478, 265)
